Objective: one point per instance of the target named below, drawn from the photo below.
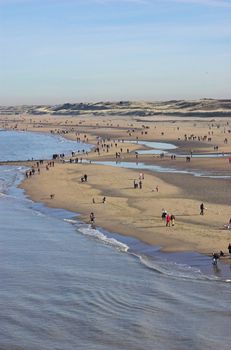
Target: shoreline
(146, 227)
(136, 247)
(139, 249)
(148, 254)
(126, 211)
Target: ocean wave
(175, 270)
(95, 233)
(71, 221)
(87, 230)
(161, 266)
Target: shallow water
(19, 145)
(163, 169)
(155, 147)
(164, 148)
(67, 286)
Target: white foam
(95, 233)
(37, 213)
(175, 270)
(167, 268)
(71, 221)
(89, 231)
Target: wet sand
(137, 212)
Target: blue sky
(55, 51)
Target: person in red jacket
(168, 219)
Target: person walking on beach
(135, 184)
(172, 218)
(229, 249)
(230, 223)
(202, 208)
(168, 219)
(164, 213)
(140, 184)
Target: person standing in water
(215, 257)
(92, 218)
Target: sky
(57, 51)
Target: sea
(66, 286)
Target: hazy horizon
(74, 51)
(113, 101)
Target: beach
(137, 212)
(115, 175)
(67, 281)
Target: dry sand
(129, 211)
(137, 212)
